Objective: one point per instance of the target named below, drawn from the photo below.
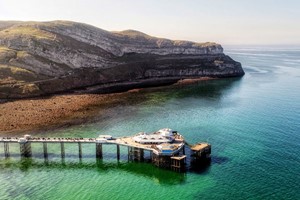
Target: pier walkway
(166, 155)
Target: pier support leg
(138, 154)
(141, 155)
(135, 154)
(99, 154)
(118, 152)
(178, 164)
(161, 161)
(80, 150)
(131, 154)
(25, 149)
(6, 149)
(62, 149)
(128, 153)
(45, 150)
(151, 155)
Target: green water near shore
(253, 124)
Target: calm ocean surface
(253, 124)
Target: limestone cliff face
(42, 58)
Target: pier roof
(199, 146)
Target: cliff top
(136, 40)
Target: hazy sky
(222, 21)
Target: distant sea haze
(252, 122)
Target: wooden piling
(80, 150)
(45, 150)
(62, 150)
(141, 155)
(25, 149)
(6, 149)
(128, 153)
(118, 152)
(99, 154)
(132, 153)
(136, 154)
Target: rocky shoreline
(44, 113)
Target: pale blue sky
(222, 21)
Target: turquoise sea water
(253, 124)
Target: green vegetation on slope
(27, 31)
(12, 75)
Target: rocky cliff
(39, 58)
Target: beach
(45, 113)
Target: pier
(167, 148)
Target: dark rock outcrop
(39, 58)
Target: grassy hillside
(39, 58)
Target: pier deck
(166, 155)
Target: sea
(252, 123)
